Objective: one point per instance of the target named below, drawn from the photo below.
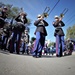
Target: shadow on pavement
(45, 56)
(4, 52)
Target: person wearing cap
(40, 33)
(21, 17)
(21, 20)
(59, 34)
(4, 26)
(3, 16)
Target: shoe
(35, 56)
(39, 56)
(18, 53)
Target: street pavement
(13, 64)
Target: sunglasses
(39, 17)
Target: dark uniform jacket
(41, 27)
(59, 30)
(3, 16)
(21, 27)
(18, 19)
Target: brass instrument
(46, 12)
(63, 13)
(22, 12)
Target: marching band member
(59, 34)
(3, 26)
(3, 16)
(40, 33)
(17, 31)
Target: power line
(70, 18)
(54, 6)
(71, 21)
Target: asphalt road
(13, 64)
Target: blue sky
(35, 7)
